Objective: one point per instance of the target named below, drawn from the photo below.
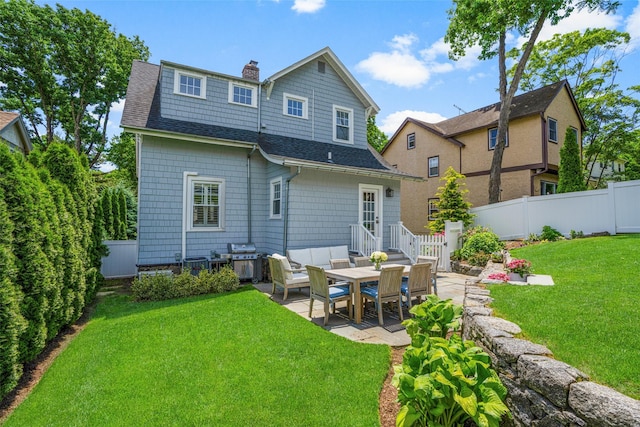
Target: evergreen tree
(570, 169)
(451, 203)
(13, 323)
(107, 212)
(122, 209)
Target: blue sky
(395, 49)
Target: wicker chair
(329, 295)
(387, 290)
(418, 284)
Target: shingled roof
(533, 102)
(142, 113)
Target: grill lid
(241, 248)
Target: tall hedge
(12, 323)
(50, 251)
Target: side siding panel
(163, 163)
(323, 206)
(322, 91)
(214, 110)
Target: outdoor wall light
(389, 192)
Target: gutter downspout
(286, 211)
(545, 155)
(249, 192)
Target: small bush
(481, 241)
(162, 287)
(576, 234)
(479, 259)
(550, 234)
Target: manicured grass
(589, 319)
(233, 359)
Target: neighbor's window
(190, 84)
(276, 198)
(548, 187)
(342, 124)
(411, 141)
(207, 202)
(295, 106)
(493, 138)
(434, 169)
(242, 94)
(553, 130)
(433, 208)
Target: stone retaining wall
(542, 391)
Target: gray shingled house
(283, 163)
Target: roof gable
(9, 120)
(330, 58)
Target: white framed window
(493, 139)
(275, 210)
(432, 208)
(342, 124)
(242, 94)
(553, 130)
(206, 203)
(295, 106)
(190, 84)
(411, 141)
(434, 166)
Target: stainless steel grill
(244, 260)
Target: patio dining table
(356, 276)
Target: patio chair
(434, 269)
(282, 275)
(361, 261)
(418, 283)
(321, 291)
(387, 290)
(339, 263)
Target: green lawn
(589, 319)
(229, 360)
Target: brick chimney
(251, 71)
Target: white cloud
(404, 68)
(633, 26)
(390, 124)
(117, 107)
(308, 6)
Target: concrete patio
(450, 285)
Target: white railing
(404, 241)
(362, 241)
(438, 245)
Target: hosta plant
(447, 382)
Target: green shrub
(576, 234)
(481, 241)
(550, 234)
(162, 287)
(479, 259)
(445, 382)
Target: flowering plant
(378, 257)
(503, 277)
(519, 266)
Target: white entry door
(371, 210)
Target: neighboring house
(537, 127)
(602, 172)
(14, 133)
(283, 163)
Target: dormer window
(242, 94)
(342, 124)
(190, 84)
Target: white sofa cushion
(339, 252)
(300, 256)
(288, 274)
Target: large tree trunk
(505, 105)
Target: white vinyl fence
(121, 261)
(615, 209)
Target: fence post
(525, 217)
(611, 203)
